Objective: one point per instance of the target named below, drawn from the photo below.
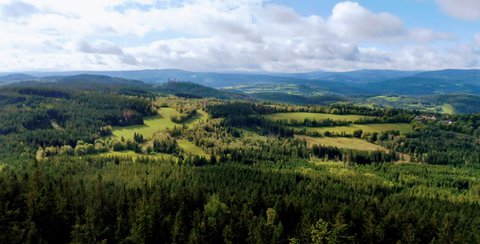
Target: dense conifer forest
(215, 168)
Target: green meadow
(199, 116)
(251, 135)
(342, 142)
(402, 127)
(448, 109)
(156, 123)
(314, 116)
(189, 147)
(133, 155)
(387, 98)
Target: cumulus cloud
(461, 9)
(99, 47)
(102, 47)
(247, 35)
(350, 20)
(426, 35)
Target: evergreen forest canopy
(90, 158)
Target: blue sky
(241, 35)
(415, 13)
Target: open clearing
(291, 89)
(133, 155)
(251, 135)
(342, 142)
(348, 130)
(315, 116)
(156, 123)
(189, 147)
(448, 109)
(387, 98)
(199, 116)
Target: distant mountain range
(361, 82)
(428, 91)
(11, 78)
(358, 76)
(102, 83)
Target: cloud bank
(215, 35)
(461, 9)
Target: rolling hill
(352, 83)
(193, 90)
(12, 78)
(103, 83)
(353, 77)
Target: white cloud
(476, 38)
(211, 35)
(426, 35)
(461, 9)
(352, 21)
(99, 47)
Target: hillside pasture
(341, 142)
(251, 135)
(156, 123)
(386, 98)
(300, 116)
(348, 130)
(189, 147)
(447, 108)
(134, 156)
(199, 116)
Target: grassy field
(448, 109)
(199, 116)
(387, 98)
(342, 142)
(251, 135)
(291, 89)
(189, 147)
(156, 123)
(55, 125)
(152, 125)
(314, 116)
(444, 108)
(133, 155)
(402, 127)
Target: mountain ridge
(358, 82)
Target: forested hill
(458, 75)
(351, 83)
(90, 163)
(12, 78)
(107, 84)
(97, 83)
(441, 91)
(193, 90)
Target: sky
(239, 35)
